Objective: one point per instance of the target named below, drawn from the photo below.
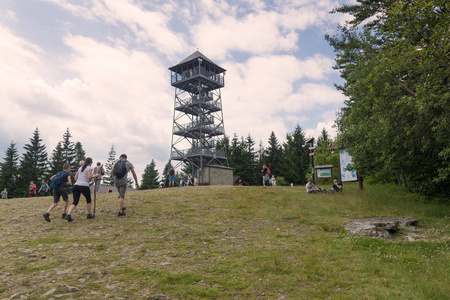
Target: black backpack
(57, 181)
(120, 169)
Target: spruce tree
(33, 164)
(69, 153)
(56, 161)
(296, 163)
(80, 154)
(274, 156)
(150, 178)
(108, 179)
(9, 172)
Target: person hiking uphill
(58, 183)
(119, 172)
(82, 178)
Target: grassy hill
(224, 243)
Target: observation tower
(198, 117)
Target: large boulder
(380, 227)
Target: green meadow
(224, 242)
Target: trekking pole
(95, 189)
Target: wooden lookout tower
(198, 117)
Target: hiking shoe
(47, 217)
(64, 216)
(90, 216)
(124, 208)
(69, 218)
(121, 214)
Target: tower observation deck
(198, 117)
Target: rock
(382, 227)
(16, 296)
(48, 293)
(72, 289)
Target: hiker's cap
(123, 155)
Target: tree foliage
(150, 178)
(296, 161)
(9, 172)
(108, 179)
(33, 165)
(395, 59)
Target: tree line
(17, 171)
(288, 161)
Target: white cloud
(150, 28)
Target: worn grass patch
(225, 243)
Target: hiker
(190, 180)
(100, 171)
(265, 175)
(81, 186)
(337, 186)
(44, 188)
(120, 172)
(5, 193)
(32, 189)
(171, 177)
(310, 188)
(58, 184)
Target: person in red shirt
(32, 189)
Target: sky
(100, 68)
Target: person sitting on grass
(337, 186)
(310, 188)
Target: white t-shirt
(309, 186)
(83, 176)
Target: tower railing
(186, 153)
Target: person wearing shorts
(61, 192)
(171, 177)
(121, 183)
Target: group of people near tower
(84, 174)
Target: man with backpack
(171, 177)
(58, 184)
(100, 171)
(119, 172)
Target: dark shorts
(79, 190)
(58, 193)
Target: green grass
(226, 242)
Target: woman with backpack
(81, 187)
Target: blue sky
(100, 68)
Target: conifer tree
(68, 152)
(150, 178)
(9, 169)
(80, 154)
(33, 164)
(274, 155)
(108, 179)
(296, 160)
(56, 160)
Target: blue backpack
(57, 181)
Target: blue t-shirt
(64, 178)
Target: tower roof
(195, 55)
